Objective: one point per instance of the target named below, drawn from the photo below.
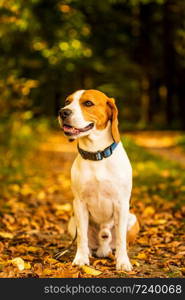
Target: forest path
(163, 143)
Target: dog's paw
(80, 260)
(123, 264)
(103, 252)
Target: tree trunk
(181, 98)
(144, 57)
(169, 59)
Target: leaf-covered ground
(34, 216)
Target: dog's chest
(99, 196)
(100, 184)
(96, 186)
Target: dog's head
(86, 111)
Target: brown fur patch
(99, 112)
(114, 119)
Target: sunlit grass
(181, 142)
(154, 175)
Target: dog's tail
(73, 232)
(132, 228)
(66, 249)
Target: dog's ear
(113, 116)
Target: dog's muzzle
(64, 113)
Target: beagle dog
(101, 178)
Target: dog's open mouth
(70, 130)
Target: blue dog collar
(99, 155)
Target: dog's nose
(65, 112)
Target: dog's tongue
(71, 130)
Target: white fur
(101, 191)
(77, 118)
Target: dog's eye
(67, 102)
(88, 103)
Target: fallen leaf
(126, 272)
(41, 195)
(50, 260)
(68, 274)
(27, 265)
(64, 207)
(160, 221)
(47, 272)
(135, 263)
(148, 211)
(15, 187)
(182, 270)
(38, 269)
(6, 235)
(143, 241)
(26, 190)
(174, 244)
(141, 255)
(99, 261)
(19, 263)
(91, 271)
(1, 247)
(32, 249)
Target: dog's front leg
(121, 212)
(82, 220)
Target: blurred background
(133, 50)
